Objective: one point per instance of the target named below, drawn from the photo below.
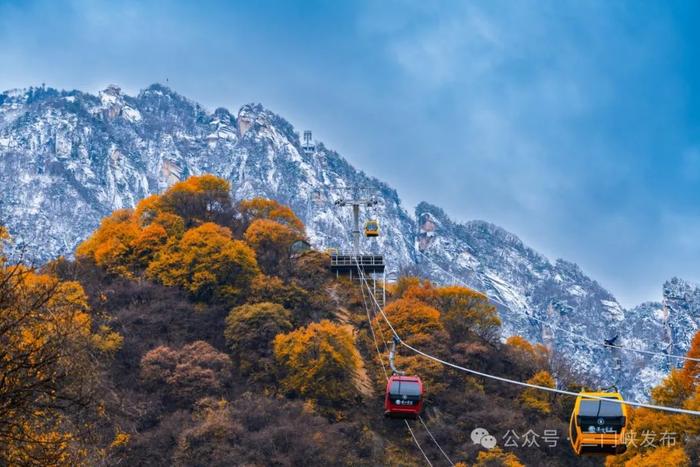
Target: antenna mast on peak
(308, 146)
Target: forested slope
(185, 333)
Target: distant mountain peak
(112, 90)
(160, 89)
(161, 93)
(223, 113)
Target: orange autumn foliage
(47, 362)
(208, 263)
(4, 236)
(653, 421)
(173, 224)
(496, 457)
(124, 246)
(520, 343)
(147, 209)
(271, 241)
(198, 199)
(412, 318)
(321, 361)
(674, 389)
(413, 287)
(524, 350)
(110, 245)
(264, 233)
(667, 456)
(176, 238)
(678, 389)
(261, 208)
(466, 311)
(128, 240)
(418, 324)
(537, 399)
(463, 310)
(149, 242)
(692, 424)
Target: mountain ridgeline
(68, 159)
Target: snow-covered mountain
(667, 326)
(534, 293)
(69, 158)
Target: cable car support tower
(347, 264)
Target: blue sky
(574, 125)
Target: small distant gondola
(598, 426)
(372, 228)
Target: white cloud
(437, 53)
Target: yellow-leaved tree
(691, 368)
(418, 324)
(261, 208)
(110, 245)
(413, 319)
(271, 241)
(128, 240)
(320, 360)
(208, 263)
(48, 367)
(184, 237)
(536, 355)
(415, 288)
(123, 245)
(4, 236)
(538, 399)
(197, 200)
(670, 432)
(465, 311)
(250, 330)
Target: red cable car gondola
(404, 397)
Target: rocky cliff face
(69, 158)
(529, 289)
(666, 327)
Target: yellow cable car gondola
(372, 228)
(598, 426)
